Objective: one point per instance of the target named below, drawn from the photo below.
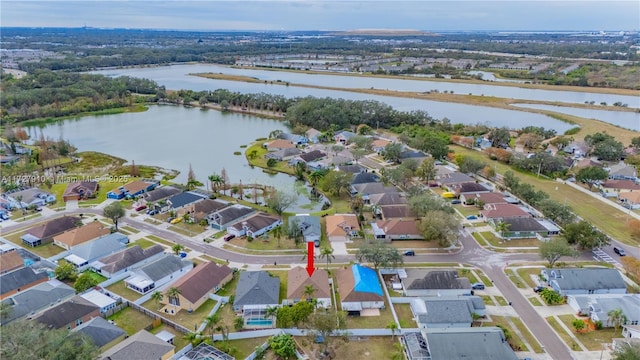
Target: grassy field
(468, 274)
(405, 316)
(563, 334)
(131, 320)
(372, 322)
(97, 277)
(591, 339)
(612, 222)
(143, 243)
(501, 301)
(160, 240)
(534, 301)
(130, 229)
(242, 348)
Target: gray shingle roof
(447, 310)
(469, 343)
(141, 345)
(100, 331)
(363, 178)
(184, 198)
(439, 279)
(312, 155)
(37, 298)
(257, 288)
(230, 214)
(128, 257)
(19, 278)
(163, 267)
(67, 312)
(310, 226)
(589, 279)
(101, 246)
(160, 193)
(54, 227)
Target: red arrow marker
(310, 268)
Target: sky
(428, 15)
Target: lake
(173, 137)
(177, 77)
(624, 119)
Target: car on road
(619, 251)
(477, 286)
(538, 289)
(409, 253)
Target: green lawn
(183, 317)
(591, 339)
(405, 316)
(466, 210)
(45, 251)
(527, 335)
(525, 274)
(468, 274)
(130, 229)
(243, 348)
(230, 288)
(372, 322)
(121, 289)
(160, 240)
(501, 301)
(131, 320)
(143, 243)
(534, 301)
(487, 300)
(97, 277)
(487, 282)
(282, 274)
(563, 334)
(179, 341)
(515, 279)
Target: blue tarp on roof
(366, 280)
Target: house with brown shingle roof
(132, 189)
(484, 198)
(297, 281)
(396, 229)
(341, 227)
(80, 235)
(44, 233)
(630, 199)
(493, 211)
(10, 261)
(359, 289)
(196, 286)
(80, 190)
(279, 144)
(400, 211)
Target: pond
(625, 119)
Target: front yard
(591, 339)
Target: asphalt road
(491, 263)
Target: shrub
(598, 325)
(551, 297)
(572, 131)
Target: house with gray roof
(69, 314)
(453, 178)
(141, 345)
(623, 171)
(365, 177)
(254, 226)
(283, 154)
(598, 306)
(44, 233)
(36, 299)
(387, 198)
(372, 188)
(256, 290)
(184, 199)
(126, 260)
(446, 311)
(160, 193)
(24, 198)
(434, 282)
(308, 157)
(153, 275)
(220, 219)
(102, 333)
(309, 226)
(477, 343)
(82, 255)
(585, 281)
(20, 280)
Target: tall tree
(327, 253)
(215, 180)
(225, 180)
(554, 249)
(617, 318)
(380, 255)
(279, 201)
(392, 152)
(326, 324)
(590, 175)
(427, 170)
(157, 297)
(177, 248)
(114, 211)
(440, 226)
(336, 182)
(499, 136)
(173, 296)
(308, 292)
(584, 235)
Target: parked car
(170, 219)
(619, 251)
(176, 220)
(38, 209)
(538, 289)
(228, 237)
(477, 286)
(456, 202)
(141, 207)
(151, 212)
(183, 254)
(472, 217)
(409, 253)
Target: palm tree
(327, 253)
(177, 248)
(308, 291)
(501, 227)
(315, 177)
(174, 296)
(393, 326)
(616, 318)
(271, 311)
(157, 297)
(193, 338)
(215, 180)
(277, 233)
(211, 320)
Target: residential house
(484, 198)
(447, 311)
(577, 148)
(196, 286)
(309, 226)
(388, 212)
(525, 227)
(619, 186)
(424, 282)
(157, 273)
(200, 209)
(31, 301)
(418, 156)
(126, 260)
(297, 281)
(378, 145)
(159, 193)
(132, 189)
(371, 188)
(352, 169)
(43, 234)
(283, 154)
(25, 198)
(504, 211)
(630, 199)
(80, 190)
(82, 255)
(313, 135)
(586, 162)
(477, 343)
(335, 160)
(220, 219)
(387, 198)
(205, 351)
(141, 345)
(308, 157)
(585, 281)
(69, 314)
(294, 138)
(449, 179)
(396, 229)
(363, 178)
(467, 189)
(279, 144)
(10, 261)
(597, 307)
(80, 235)
(256, 289)
(622, 171)
(342, 227)
(359, 290)
(104, 302)
(5, 246)
(631, 331)
(180, 201)
(102, 333)
(20, 280)
(344, 137)
(254, 226)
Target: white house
(254, 226)
(580, 281)
(158, 273)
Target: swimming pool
(261, 322)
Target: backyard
(130, 320)
(121, 289)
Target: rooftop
(201, 280)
